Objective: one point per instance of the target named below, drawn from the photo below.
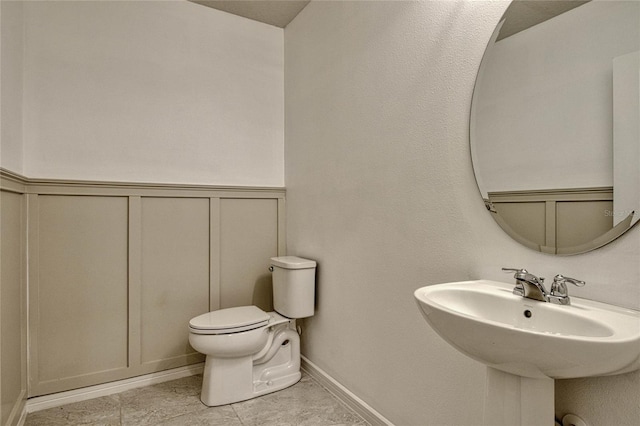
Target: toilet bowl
(250, 352)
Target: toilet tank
(294, 286)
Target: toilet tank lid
(229, 318)
(292, 262)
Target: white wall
(155, 91)
(381, 192)
(551, 86)
(626, 135)
(11, 47)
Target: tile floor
(177, 403)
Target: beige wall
(381, 192)
(13, 312)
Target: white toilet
(251, 352)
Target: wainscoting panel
(79, 293)
(116, 271)
(175, 275)
(580, 222)
(248, 240)
(559, 221)
(528, 218)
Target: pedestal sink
(526, 344)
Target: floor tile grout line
(120, 407)
(236, 413)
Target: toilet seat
(229, 320)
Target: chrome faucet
(528, 285)
(532, 287)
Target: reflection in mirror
(555, 121)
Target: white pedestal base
(512, 400)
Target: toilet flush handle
(271, 268)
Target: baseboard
(18, 414)
(68, 397)
(344, 395)
(23, 416)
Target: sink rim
(524, 351)
(579, 307)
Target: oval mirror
(554, 128)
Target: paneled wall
(78, 289)
(117, 270)
(559, 221)
(13, 320)
(174, 274)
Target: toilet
(250, 352)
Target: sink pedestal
(514, 400)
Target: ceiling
(523, 14)
(273, 12)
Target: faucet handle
(522, 275)
(516, 270)
(519, 289)
(562, 278)
(559, 293)
(521, 272)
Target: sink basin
(528, 338)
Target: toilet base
(229, 380)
